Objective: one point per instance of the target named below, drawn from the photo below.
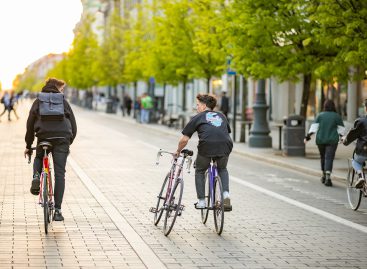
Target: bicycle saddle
(45, 144)
(187, 152)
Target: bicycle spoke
(173, 207)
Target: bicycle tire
(160, 202)
(45, 202)
(218, 206)
(173, 208)
(354, 195)
(205, 212)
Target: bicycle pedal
(153, 210)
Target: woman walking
(329, 126)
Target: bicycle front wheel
(205, 212)
(354, 195)
(173, 206)
(46, 217)
(218, 206)
(160, 202)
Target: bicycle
(354, 194)
(170, 195)
(45, 197)
(214, 198)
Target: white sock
(225, 194)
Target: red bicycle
(46, 196)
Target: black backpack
(51, 106)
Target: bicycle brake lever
(159, 154)
(189, 165)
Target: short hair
(55, 82)
(209, 100)
(329, 105)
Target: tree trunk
(208, 84)
(184, 94)
(305, 94)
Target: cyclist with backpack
(51, 119)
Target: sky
(30, 29)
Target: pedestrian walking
(9, 101)
(137, 108)
(328, 126)
(224, 104)
(146, 107)
(214, 142)
(127, 103)
(57, 127)
(359, 132)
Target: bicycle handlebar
(186, 153)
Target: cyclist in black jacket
(61, 133)
(359, 132)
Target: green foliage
(82, 57)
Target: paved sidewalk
(309, 164)
(87, 238)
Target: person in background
(359, 132)
(224, 104)
(146, 107)
(328, 126)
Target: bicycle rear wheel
(173, 206)
(354, 195)
(218, 206)
(46, 216)
(160, 202)
(205, 212)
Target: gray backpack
(51, 106)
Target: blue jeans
(358, 162)
(145, 115)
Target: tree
(82, 56)
(277, 38)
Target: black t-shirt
(213, 131)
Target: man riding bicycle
(359, 132)
(60, 131)
(214, 143)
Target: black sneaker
(328, 182)
(322, 179)
(58, 215)
(35, 187)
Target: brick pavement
(88, 238)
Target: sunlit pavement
(112, 182)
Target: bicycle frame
(46, 172)
(213, 172)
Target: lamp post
(259, 133)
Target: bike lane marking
(146, 254)
(301, 205)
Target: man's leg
(37, 169)
(201, 165)
(60, 153)
(223, 172)
(357, 164)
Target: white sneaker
(201, 204)
(225, 194)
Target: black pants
(202, 164)
(60, 152)
(327, 155)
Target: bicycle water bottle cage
(187, 152)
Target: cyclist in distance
(214, 142)
(60, 131)
(359, 132)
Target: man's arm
(29, 136)
(182, 144)
(73, 123)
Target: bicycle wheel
(354, 195)
(160, 202)
(46, 216)
(173, 206)
(205, 212)
(218, 206)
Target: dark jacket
(44, 129)
(359, 132)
